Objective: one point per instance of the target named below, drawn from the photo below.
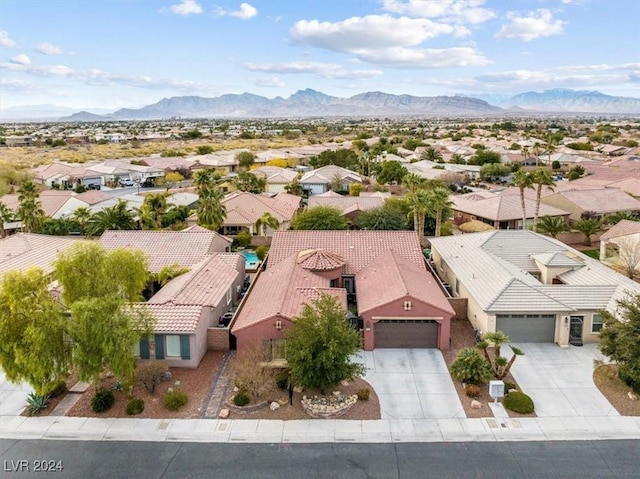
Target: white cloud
(325, 70)
(267, 81)
(5, 41)
(370, 32)
(186, 7)
(244, 12)
(463, 11)
(18, 85)
(539, 23)
(49, 49)
(424, 58)
(21, 59)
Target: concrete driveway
(412, 384)
(13, 398)
(560, 380)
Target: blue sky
(117, 53)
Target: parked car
(94, 186)
(125, 182)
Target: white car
(125, 182)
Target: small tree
(250, 376)
(245, 159)
(322, 217)
(321, 344)
(629, 254)
(355, 189)
(620, 341)
(173, 178)
(470, 367)
(500, 365)
(33, 329)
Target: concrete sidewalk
(313, 430)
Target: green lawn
(592, 253)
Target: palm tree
(541, 178)
(432, 154)
(536, 151)
(525, 153)
(457, 159)
(500, 365)
(551, 226)
(522, 180)
(82, 216)
(116, 217)
(588, 227)
(267, 220)
(153, 209)
(550, 147)
(205, 180)
(439, 206)
(30, 213)
(416, 197)
(211, 211)
(6, 215)
(28, 189)
(617, 217)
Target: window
(229, 296)
(457, 287)
(173, 345)
(596, 323)
(407, 305)
(273, 349)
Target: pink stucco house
(381, 274)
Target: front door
(575, 330)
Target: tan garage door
(406, 333)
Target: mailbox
(496, 389)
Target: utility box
(496, 389)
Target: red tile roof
(206, 284)
(319, 260)
(25, 250)
(356, 248)
(247, 208)
(391, 277)
(165, 248)
(282, 290)
(173, 318)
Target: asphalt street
(75, 459)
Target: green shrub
(630, 376)
(363, 394)
(241, 399)
(58, 389)
(135, 406)
(470, 367)
(243, 239)
(519, 402)
(472, 391)
(174, 400)
(102, 400)
(282, 379)
(261, 252)
(36, 403)
(508, 387)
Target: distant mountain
(563, 100)
(36, 112)
(306, 103)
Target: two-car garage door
(406, 333)
(527, 328)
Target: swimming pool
(251, 260)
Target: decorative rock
(476, 404)
(236, 389)
(337, 393)
(224, 414)
(274, 405)
(344, 382)
(283, 401)
(632, 396)
(298, 389)
(304, 398)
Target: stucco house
(381, 274)
(320, 180)
(187, 311)
(244, 209)
(531, 287)
(500, 211)
(276, 177)
(602, 201)
(625, 237)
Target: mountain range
(311, 103)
